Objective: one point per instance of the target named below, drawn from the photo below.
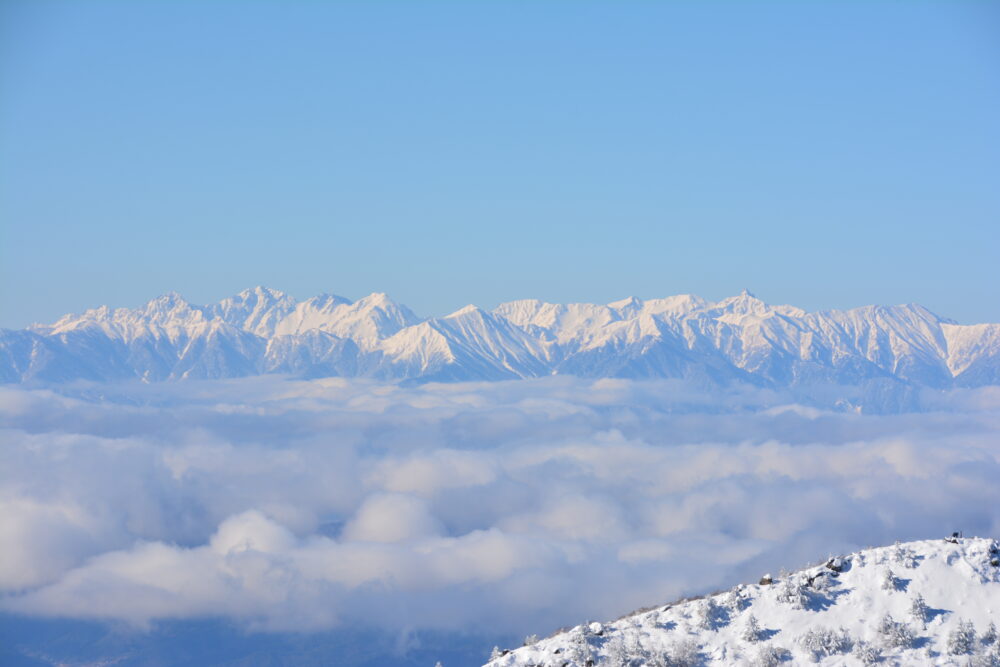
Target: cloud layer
(519, 507)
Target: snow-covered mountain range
(934, 602)
(737, 339)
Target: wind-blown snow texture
(932, 602)
(737, 339)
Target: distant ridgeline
(739, 339)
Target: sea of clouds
(517, 507)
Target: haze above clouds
(513, 506)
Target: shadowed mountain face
(737, 339)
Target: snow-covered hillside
(934, 602)
(737, 339)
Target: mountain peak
(261, 291)
(744, 303)
(780, 346)
(627, 302)
(377, 300)
(171, 297)
(745, 295)
(166, 303)
(464, 310)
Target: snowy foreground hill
(739, 339)
(933, 602)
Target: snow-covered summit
(932, 602)
(740, 338)
(257, 310)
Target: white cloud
(391, 518)
(518, 506)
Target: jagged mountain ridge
(741, 338)
(931, 602)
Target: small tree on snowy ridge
(990, 636)
(771, 656)
(710, 615)
(989, 659)
(793, 593)
(890, 582)
(895, 634)
(684, 653)
(617, 654)
(579, 648)
(751, 630)
(736, 600)
(903, 556)
(919, 610)
(823, 642)
(867, 653)
(962, 639)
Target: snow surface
(738, 339)
(863, 614)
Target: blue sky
(826, 155)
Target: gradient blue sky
(826, 155)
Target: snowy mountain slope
(469, 344)
(741, 338)
(933, 602)
(973, 353)
(366, 321)
(257, 310)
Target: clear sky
(825, 155)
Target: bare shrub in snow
(771, 656)
(962, 639)
(823, 642)
(867, 653)
(895, 634)
(751, 630)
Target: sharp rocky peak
(626, 303)
(377, 300)
(261, 292)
